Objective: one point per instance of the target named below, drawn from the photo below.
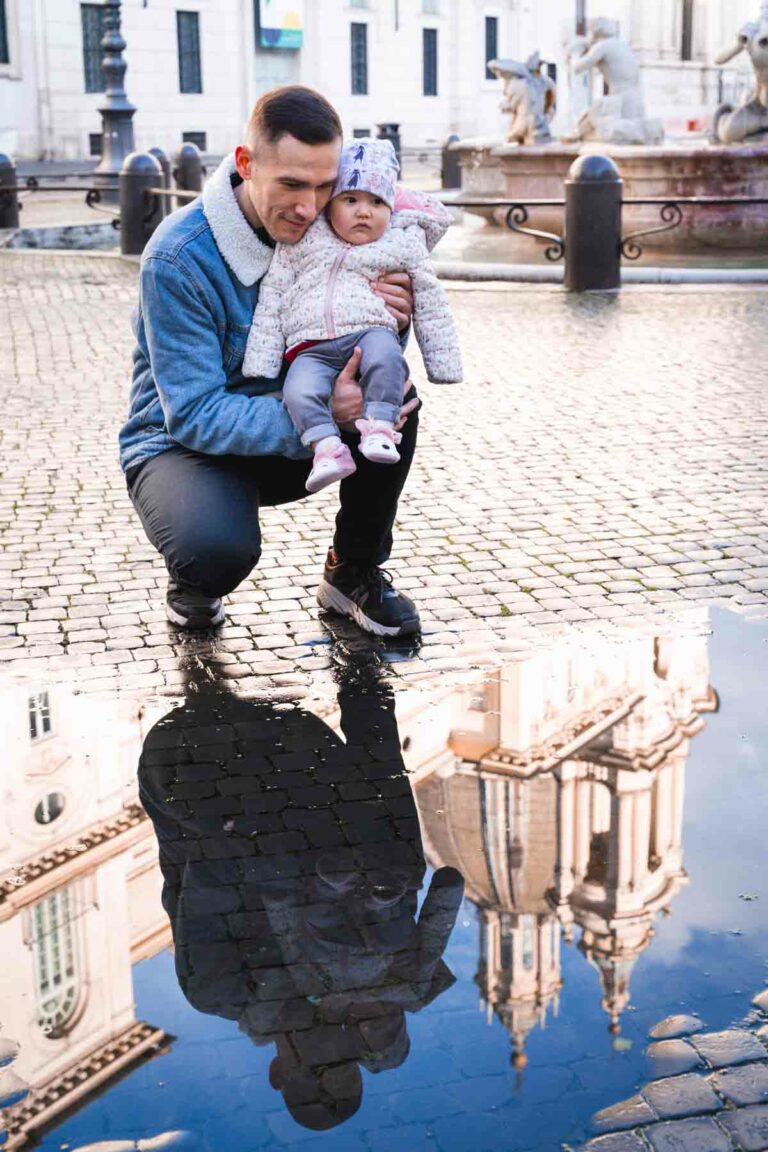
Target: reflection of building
(79, 897)
(560, 799)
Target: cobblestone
(587, 493)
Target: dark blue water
(435, 1069)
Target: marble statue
(619, 117)
(747, 124)
(530, 98)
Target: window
(198, 138)
(430, 61)
(491, 43)
(686, 44)
(56, 962)
(358, 3)
(94, 143)
(92, 18)
(5, 54)
(430, 7)
(188, 35)
(359, 49)
(360, 133)
(39, 716)
(50, 808)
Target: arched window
(56, 957)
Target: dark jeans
(202, 512)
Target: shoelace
(376, 579)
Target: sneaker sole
(333, 600)
(194, 623)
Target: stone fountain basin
(521, 172)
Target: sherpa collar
(241, 248)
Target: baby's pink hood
(422, 209)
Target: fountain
(734, 165)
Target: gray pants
(308, 386)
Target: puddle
(440, 917)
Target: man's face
(287, 185)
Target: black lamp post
(116, 111)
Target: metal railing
(670, 212)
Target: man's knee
(214, 563)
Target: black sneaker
(190, 609)
(367, 596)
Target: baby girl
(316, 305)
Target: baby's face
(359, 217)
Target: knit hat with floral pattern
(368, 165)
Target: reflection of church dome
(501, 832)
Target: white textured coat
(320, 288)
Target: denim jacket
(198, 289)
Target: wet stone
(681, 1096)
(742, 1086)
(674, 1026)
(629, 1114)
(687, 1136)
(748, 1128)
(734, 1046)
(616, 1142)
(671, 1057)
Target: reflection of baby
(317, 301)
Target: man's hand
(396, 291)
(347, 397)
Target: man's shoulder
(185, 234)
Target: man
(203, 448)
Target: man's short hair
(293, 110)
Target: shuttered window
(188, 35)
(359, 50)
(491, 43)
(5, 55)
(430, 61)
(686, 45)
(92, 19)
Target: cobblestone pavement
(711, 1094)
(605, 459)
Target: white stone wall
(45, 112)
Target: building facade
(195, 67)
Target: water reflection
(291, 860)
(78, 901)
(293, 845)
(557, 790)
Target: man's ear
(243, 161)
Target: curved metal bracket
(93, 200)
(518, 215)
(671, 214)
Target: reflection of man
(204, 449)
(292, 861)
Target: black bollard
(391, 132)
(165, 164)
(450, 172)
(593, 195)
(9, 201)
(140, 213)
(188, 168)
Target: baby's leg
(307, 395)
(383, 373)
